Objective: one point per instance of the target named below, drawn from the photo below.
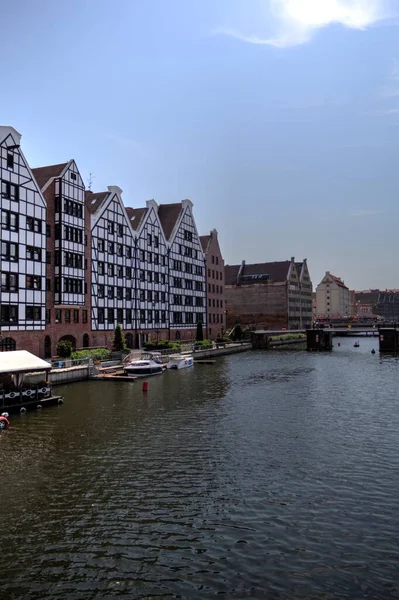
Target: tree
(119, 342)
(200, 334)
(64, 348)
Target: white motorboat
(143, 368)
(180, 361)
(150, 363)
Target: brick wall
(257, 305)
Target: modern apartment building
(332, 297)
(275, 295)
(75, 263)
(214, 285)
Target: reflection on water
(266, 475)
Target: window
(111, 315)
(217, 289)
(67, 315)
(210, 303)
(142, 316)
(33, 282)
(213, 288)
(119, 271)
(177, 282)
(189, 284)
(149, 257)
(33, 253)
(9, 282)
(48, 258)
(213, 260)
(142, 275)
(189, 317)
(213, 274)
(9, 314)
(110, 270)
(73, 176)
(101, 245)
(198, 270)
(9, 251)
(156, 316)
(217, 274)
(199, 301)
(119, 293)
(188, 300)
(58, 315)
(163, 316)
(110, 292)
(188, 236)
(128, 272)
(119, 249)
(119, 315)
(84, 316)
(156, 296)
(111, 248)
(177, 318)
(149, 296)
(10, 160)
(128, 252)
(156, 277)
(128, 294)
(9, 220)
(156, 259)
(142, 255)
(101, 268)
(163, 296)
(156, 241)
(213, 302)
(10, 191)
(100, 291)
(48, 230)
(149, 239)
(149, 276)
(209, 287)
(120, 230)
(128, 315)
(110, 227)
(48, 315)
(142, 296)
(33, 313)
(76, 315)
(163, 278)
(188, 267)
(188, 251)
(101, 316)
(177, 299)
(33, 224)
(198, 286)
(177, 265)
(149, 316)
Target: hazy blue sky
(278, 118)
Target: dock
(115, 375)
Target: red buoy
(145, 386)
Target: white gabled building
(332, 297)
(187, 277)
(112, 262)
(23, 245)
(152, 281)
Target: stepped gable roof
(94, 200)
(277, 271)
(205, 240)
(43, 174)
(136, 216)
(168, 216)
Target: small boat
(180, 361)
(356, 345)
(143, 368)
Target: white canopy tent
(21, 361)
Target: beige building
(332, 297)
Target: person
(4, 422)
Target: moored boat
(143, 368)
(180, 361)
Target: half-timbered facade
(112, 260)
(23, 247)
(186, 270)
(152, 269)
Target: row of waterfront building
(75, 263)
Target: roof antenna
(90, 182)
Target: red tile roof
(43, 174)
(169, 215)
(278, 271)
(94, 200)
(136, 216)
(337, 280)
(205, 240)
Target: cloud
(366, 213)
(295, 22)
(391, 90)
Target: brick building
(215, 302)
(274, 295)
(76, 263)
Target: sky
(279, 119)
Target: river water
(266, 475)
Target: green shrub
(161, 345)
(203, 344)
(64, 348)
(95, 354)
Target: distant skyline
(277, 118)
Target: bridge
(321, 339)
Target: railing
(66, 363)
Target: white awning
(21, 361)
